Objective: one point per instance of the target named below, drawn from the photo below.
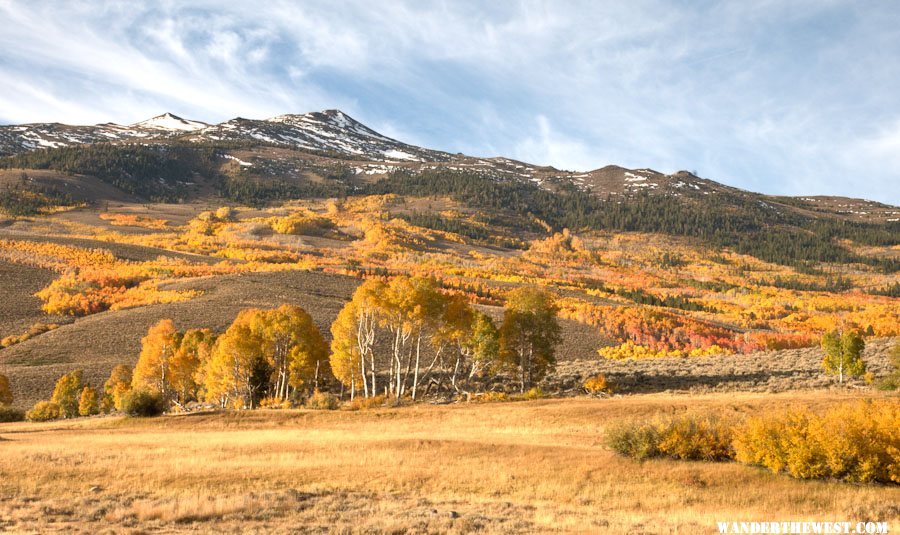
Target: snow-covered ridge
(330, 131)
(167, 121)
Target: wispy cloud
(784, 97)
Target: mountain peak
(170, 121)
(333, 117)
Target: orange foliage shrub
(129, 220)
(598, 384)
(34, 330)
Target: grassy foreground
(505, 467)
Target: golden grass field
(537, 466)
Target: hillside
(329, 154)
(643, 263)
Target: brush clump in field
(143, 403)
(11, 414)
(687, 437)
(598, 385)
(360, 403)
(324, 401)
(43, 411)
(856, 442)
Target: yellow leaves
(118, 384)
(303, 222)
(631, 350)
(53, 256)
(157, 348)
(275, 351)
(93, 291)
(390, 237)
(226, 213)
(560, 246)
(268, 256)
(209, 223)
(686, 437)
(857, 442)
(597, 384)
(130, 220)
(345, 355)
(34, 330)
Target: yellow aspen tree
(843, 354)
(411, 307)
(87, 403)
(234, 374)
(157, 348)
(67, 392)
(307, 360)
(186, 362)
(345, 361)
(353, 339)
(118, 384)
(529, 335)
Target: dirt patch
(19, 308)
(79, 187)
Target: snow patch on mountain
(167, 121)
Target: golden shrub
(598, 384)
(686, 437)
(706, 438)
(362, 403)
(308, 224)
(44, 411)
(857, 442)
(323, 401)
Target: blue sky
(793, 97)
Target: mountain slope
(168, 122)
(329, 154)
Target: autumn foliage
(852, 441)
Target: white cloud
(549, 147)
(773, 96)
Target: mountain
(329, 153)
(330, 131)
(169, 123)
(16, 139)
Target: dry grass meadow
(537, 466)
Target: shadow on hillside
(645, 383)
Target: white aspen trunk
(522, 364)
(455, 372)
(416, 371)
(372, 371)
(530, 364)
(362, 373)
(431, 366)
(395, 364)
(408, 367)
(362, 338)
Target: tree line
(403, 339)
(160, 172)
(726, 219)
